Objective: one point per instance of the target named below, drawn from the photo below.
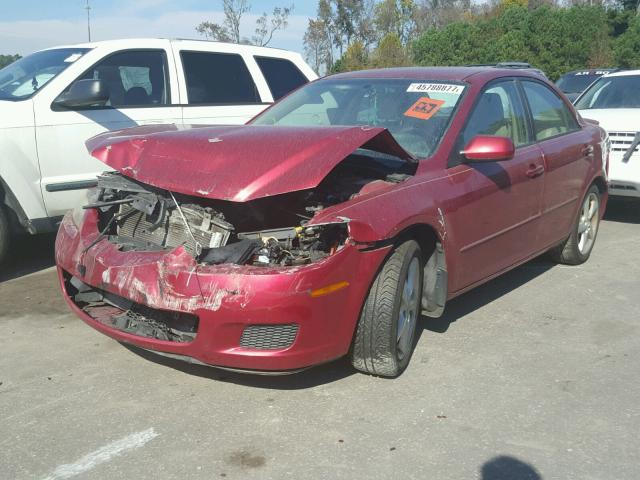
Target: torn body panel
(226, 299)
(274, 230)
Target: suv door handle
(535, 171)
(587, 151)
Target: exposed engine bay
(266, 231)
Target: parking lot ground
(533, 375)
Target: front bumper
(225, 298)
(624, 178)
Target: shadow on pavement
(486, 293)
(623, 210)
(508, 468)
(327, 373)
(28, 254)
(342, 368)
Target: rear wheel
(577, 248)
(4, 234)
(384, 338)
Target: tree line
(356, 34)
(229, 30)
(553, 35)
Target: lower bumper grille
(130, 317)
(618, 186)
(269, 337)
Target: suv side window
(499, 112)
(218, 78)
(281, 75)
(134, 78)
(551, 117)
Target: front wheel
(577, 248)
(385, 333)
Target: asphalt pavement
(533, 375)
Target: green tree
(553, 39)
(458, 43)
(317, 45)
(354, 58)
(390, 53)
(397, 17)
(627, 46)
(8, 59)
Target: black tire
(5, 235)
(376, 349)
(572, 251)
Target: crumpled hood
(615, 119)
(236, 163)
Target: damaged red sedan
(333, 220)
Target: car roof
(131, 41)
(452, 74)
(623, 73)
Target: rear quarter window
(281, 75)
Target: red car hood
(237, 163)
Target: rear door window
(218, 79)
(551, 117)
(281, 75)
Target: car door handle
(535, 171)
(587, 151)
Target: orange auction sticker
(425, 108)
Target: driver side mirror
(83, 94)
(489, 148)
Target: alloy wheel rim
(408, 313)
(588, 223)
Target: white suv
(54, 100)
(614, 101)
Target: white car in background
(54, 100)
(614, 101)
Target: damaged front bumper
(234, 316)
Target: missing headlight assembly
(141, 217)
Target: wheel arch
(17, 216)
(601, 183)
(435, 280)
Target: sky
(30, 25)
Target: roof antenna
(88, 9)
